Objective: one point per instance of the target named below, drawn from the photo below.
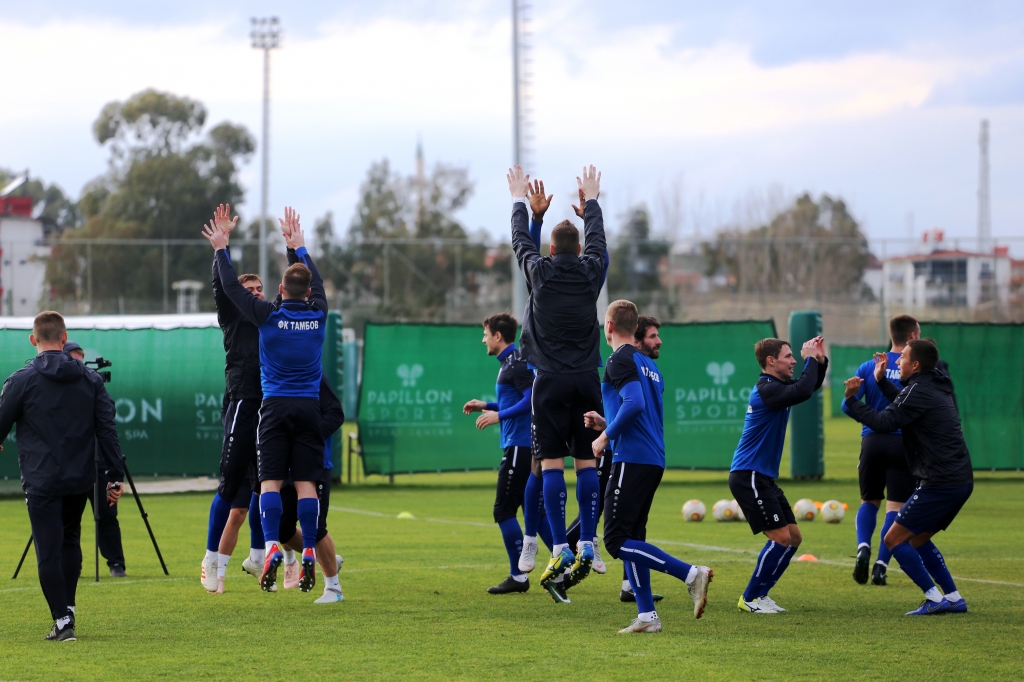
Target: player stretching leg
(561, 339)
(883, 462)
(290, 432)
(242, 397)
(512, 411)
(925, 410)
(755, 465)
(632, 390)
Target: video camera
(100, 364)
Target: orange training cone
(807, 557)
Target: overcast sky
(731, 104)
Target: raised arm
(527, 252)
(539, 203)
(904, 409)
(222, 222)
(251, 308)
(295, 240)
(777, 395)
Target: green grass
(416, 605)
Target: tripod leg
(23, 555)
(145, 518)
(96, 523)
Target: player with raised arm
(925, 411)
(561, 339)
(883, 466)
(512, 412)
(632, 389)
(755, 464)
(290, 426)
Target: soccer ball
(737, 511)
(694, 510)
(723, 511)
(832, 511)
(805, 510)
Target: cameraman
(109, 528)
(63, 413)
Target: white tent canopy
(163, 322)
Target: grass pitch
(416, 607)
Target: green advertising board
(416, 377)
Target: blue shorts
(931, 509)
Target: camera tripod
(97, 501)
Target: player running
(755, 464)
(632, 391)
(512, 411)
(242, 397)
(883, 463)
(561, 339)
(290, 427)
(926, 413)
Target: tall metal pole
(266, 35)
(984, 210)
(518, 280)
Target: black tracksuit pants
(57, 530)
(109, 533)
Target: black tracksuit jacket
(926, 412)
(241, 347)
(561, 332)
(62, 409)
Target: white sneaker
(252, 568)
(699, 589)
(770, 603)
(339, 560)
(598, 566)
(642, 626)
(208, 576)
(331, 596)
(756, 606)
(528, 557)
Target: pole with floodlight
(266, 35)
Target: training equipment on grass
(832, 511)
(723, 511)
(737, 511)
(694, 510)
(805, 510)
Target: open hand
(538, 202)
(590, 185)
(518, 184)
(488, 418)
(291, 230)
(578, 210)
(474, 406)
(592, 420)
(881, 364)
(852, 386)
(218, 238)
(222, 219)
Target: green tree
(636, 259)
(50, 205)
(164, 179)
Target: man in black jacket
(561, 339)
(926, 412)
(63, 413)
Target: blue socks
(270, 516)
(513, 538)
(308, 511)
(933, 561)
(769, 561)
(639, 578)
(912, 565)
(533, 505)
(867, 517)
(255, 527)
(554, 503)
(219, 511)
(779, 569)
(544, 532)
(588, 492)
(884, 553)
(651, 557)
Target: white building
(22, 265)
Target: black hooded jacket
(61, 408)
(926, 411)
(241, 347)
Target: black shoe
(64, 634)
(509, 586)
(861, 569)
(117, 571)
(878, 574)
(628, 596)
(557, 592)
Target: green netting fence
(416, 377)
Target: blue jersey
(514, 388)
(632, 393)
(764, 428)
(869, 387)
(291, 332)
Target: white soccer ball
(694, 510)
(738, 514)
(832, 511)
(723, 511)
(805, 510)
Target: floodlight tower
(984, 207)
(520, 124)
(266, 35)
